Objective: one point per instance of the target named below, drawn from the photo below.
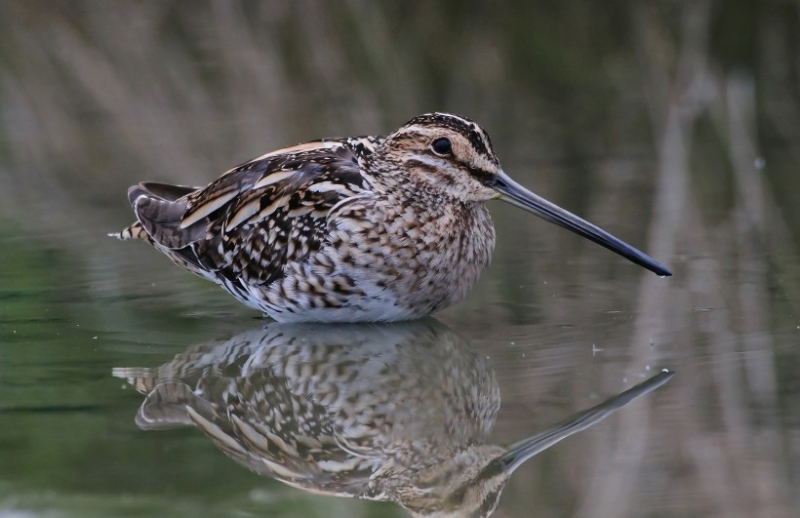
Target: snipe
(352, 229)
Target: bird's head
(453, 157)
(449, 154)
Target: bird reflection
(398, 412)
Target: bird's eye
(442, 147)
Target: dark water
(673, 126)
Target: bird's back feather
(256, 218)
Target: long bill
(517, 195)
(519, 452)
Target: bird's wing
(258, 217)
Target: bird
(397, 412)
(358, 229)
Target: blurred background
(675, 125)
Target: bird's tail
(152, 201)
(133, 232)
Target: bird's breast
(420, 257)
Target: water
(647, 121)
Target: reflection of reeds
(731, 451)
(94, 98)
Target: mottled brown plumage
(353, 229)
(397, 412)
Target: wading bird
(353, 229)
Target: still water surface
(122, 378)
(77, 437)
